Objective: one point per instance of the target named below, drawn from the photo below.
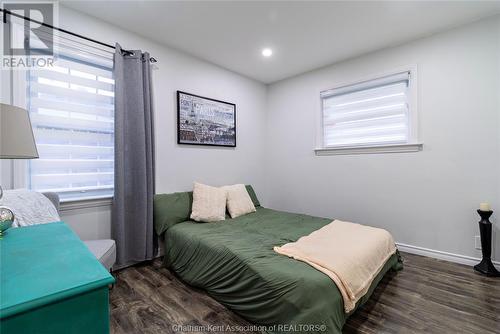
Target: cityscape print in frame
(205, 121)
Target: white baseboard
(457, 258)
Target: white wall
(89, 223)
(177, 166)
(425, 199)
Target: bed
(233, 260)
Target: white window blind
(72, 112)
(369, 113)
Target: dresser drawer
(51, 283)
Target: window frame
(20, 168)
(412, 145)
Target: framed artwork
(205, 121)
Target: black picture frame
(182, 121)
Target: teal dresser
(51, 283)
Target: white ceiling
(303, 35)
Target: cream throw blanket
(350, 254)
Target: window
(72, 112)
(372, 113)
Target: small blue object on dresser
(6, 220)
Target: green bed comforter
(234, 261)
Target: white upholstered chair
(104, 249)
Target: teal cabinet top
(41, 264)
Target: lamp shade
(16, 135)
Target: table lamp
(16, 142)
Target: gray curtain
(132, 215)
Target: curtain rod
(7, 12)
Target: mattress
(234, 261)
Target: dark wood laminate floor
(428, 296)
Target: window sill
(400, 148)
(85, 203)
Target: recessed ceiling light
(267, 52)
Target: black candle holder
(486, 267)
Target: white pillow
(209, 203)
(239, 202)
(29, 207)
